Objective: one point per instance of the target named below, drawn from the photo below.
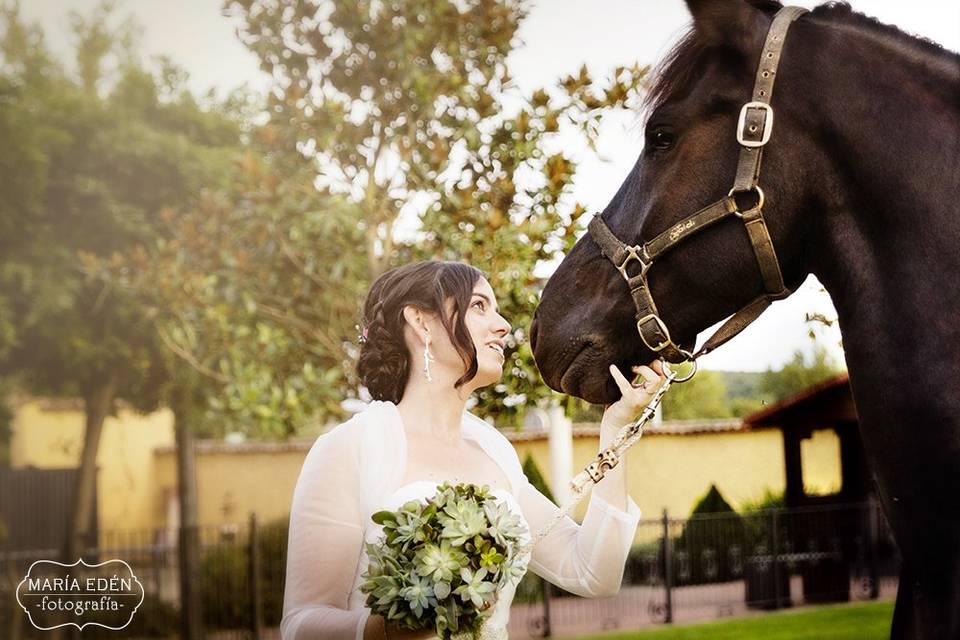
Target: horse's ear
(734, 23)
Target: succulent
(441, 562)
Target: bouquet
(441, 563)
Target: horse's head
(586, 318)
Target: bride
(432, 334)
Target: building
(671, 468)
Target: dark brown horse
(862, 184)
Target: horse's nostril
(533, 332)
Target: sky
(557, 37)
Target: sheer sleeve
(585, 559)
(324, 542)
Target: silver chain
(605, 460)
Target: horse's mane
(681, 66)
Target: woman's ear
(416, 318)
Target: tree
(381, 114)
(532, 471)
(708, 535)
(94, 158)
(798, 374)
(703, 396)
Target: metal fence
(681, 569)
(717, 565)
(241, 579)
(21, 490)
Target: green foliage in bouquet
(441, 563)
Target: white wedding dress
(356, 469)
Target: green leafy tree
(741, 406)
(532, 471)
(703, 396)
(394, 134)
(800, 373)
(712, 529)
(712, 502)
(92, 159)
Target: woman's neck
(433, 409)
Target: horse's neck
(887, 114)
(889, 248)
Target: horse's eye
(661, 139)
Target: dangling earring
(427, 359)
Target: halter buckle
(767, 124)
(660, 326)
(633, 253)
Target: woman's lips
(498, 349)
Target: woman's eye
(479, 302)
(661, 139)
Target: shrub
(532, 471)
(154, 618)
(756, 518)
(644, 563)
(225, 580)
(529, 589)
(711, 547)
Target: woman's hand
(635, 396)
(378, 628)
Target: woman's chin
(489, 375)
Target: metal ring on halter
(691, 360)
(760, 199)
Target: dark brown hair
(384, 363)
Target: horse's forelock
(676, 72)
(681, 67)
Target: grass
(861, 621)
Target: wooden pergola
(827, 405)
(825, 544)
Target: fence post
(547, 632)
(667, 569)
(774, 542)
(872, 536)
(191, 598)
(256, 600)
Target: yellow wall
(820, 460)
(137, 484)
(48, 437)
(232, 485)
(675, 471)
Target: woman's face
(486, 327)
(489, 330)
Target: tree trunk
(97, 406)
(191, 616)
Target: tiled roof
(768, 414)
(580, 430)
(671, 427)
(250, 446)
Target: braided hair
(383, 366)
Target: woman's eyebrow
(484, 296)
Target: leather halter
(753, 132)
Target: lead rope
(606, 459)
(590, 475)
